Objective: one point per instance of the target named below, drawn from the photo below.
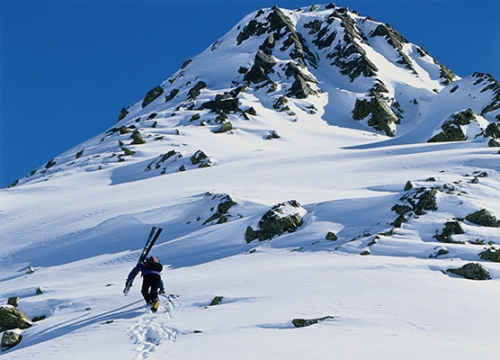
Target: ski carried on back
(153, 235)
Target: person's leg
(153, 292)
(146, 285)
(154, 285)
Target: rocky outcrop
(13, 318)
(452, 128)
(378, 112)
(196, 90)
(284, 217)
(396, 40)
(483, 218)
(490, 254)
(348, 55)
(450, 228)
(222, 213)
(263, 64)
(201, 159)
(152, 95)
(472, 271)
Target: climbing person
(151, 280)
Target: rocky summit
(326, 183)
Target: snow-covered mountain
(310, 164)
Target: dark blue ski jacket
(145, 270)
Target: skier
(151, 282)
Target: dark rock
(13, 318)
(331, 236)
(123, 114)
(396, 40)
(263, 63)
(200, 158)
(450, 228)
(222, 104)
(298, 323)
(472, 271)
(222, 210)
(216, 300)
(382, 117)
(281, 218)
(273, 135)
(152, 95)
(225, 127)
(172, 94)
(422, 199)
(14, 301)
(10, 339)
(408, 186)
(483, 218)
(196, 90)
(493, 130)
(452, 130)
(439, 251)
(137, 138)
(490, 254)
(401, 209)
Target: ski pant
(150, 285)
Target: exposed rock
(450, 228)
(196, 90)
(13, 318)
(137, 139)
(263, 63)
(273, 135)
(10, 339)
(490, 254)
(158, 163)
(452, 128)
(123, 114)
(396, 40)
(439, 251)
(172, 94)
(298, 323)
(472, 271)
(225, 127)
(331, 236)
(422, 199)
(14, 301)
(284, 217)
(152, 95)
(493, 130)
(222, 210)
(201, 159)
(409, 185)
(483, 218)
(382, 117)
(222, 104)
(348, 55)
(216, 300)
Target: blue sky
(68, 67)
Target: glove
(162, 292)
(128, 285)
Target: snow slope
(81, 219)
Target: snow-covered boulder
(284, 217)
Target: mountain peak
(322, 62)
